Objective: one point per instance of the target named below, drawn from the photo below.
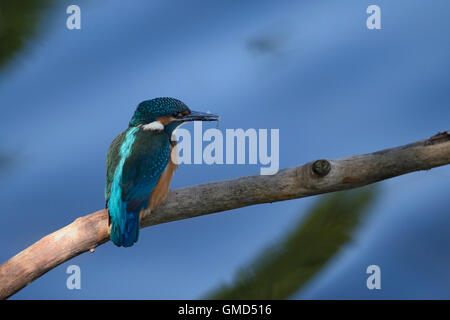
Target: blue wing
(145, 155)
(143, 168)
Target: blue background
(332, 87)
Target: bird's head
(166, 114)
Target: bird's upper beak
(200, 116)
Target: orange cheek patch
(165, 120)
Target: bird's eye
(176, 114)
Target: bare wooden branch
(312, 178)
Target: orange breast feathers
(162, 187)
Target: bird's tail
(124, 217)
(127, 233)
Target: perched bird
(139, 165)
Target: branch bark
(313, 178)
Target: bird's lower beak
(200, 116)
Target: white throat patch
(154, 126)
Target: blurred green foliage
(19, 21)
(283, 269)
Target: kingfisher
(139, 165)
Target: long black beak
(200, 116)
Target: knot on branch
(321, 167)
(311, 175)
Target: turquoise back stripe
(117, 208)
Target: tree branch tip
(439, 138)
